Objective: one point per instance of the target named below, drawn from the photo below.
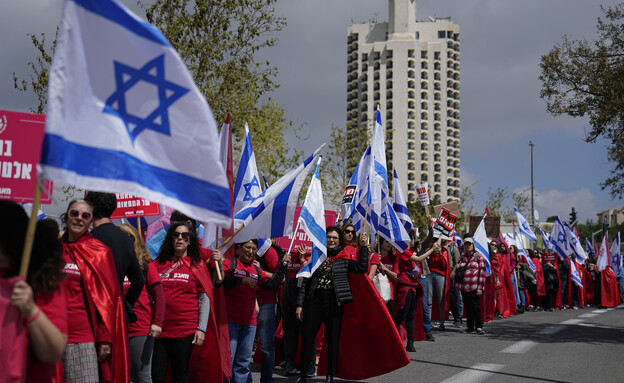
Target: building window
(441, 34)
(436, 55)
(417, 35)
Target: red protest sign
(130, 205)
(445, 223)
(21, 136)
(300, 236)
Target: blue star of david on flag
(248, 190)
(168, 93)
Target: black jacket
(340, 272)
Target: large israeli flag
(272, 215)
(247, 188)
(576, 277)
(481, 244)
(312, 220)
(391, 228)
(559, 239)
(616, 255)
(574, 244)
(357, 187)
(524, 226)
(399, 205)
(124, 115)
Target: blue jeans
(241, 346)
(515, 286)
(425, 306)
(522, 298)
(564, 285)
(266, 331)
(435, 283)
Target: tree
(334, 175)
(586, 78)
(495, 200)
(466, 196)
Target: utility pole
(531, 144)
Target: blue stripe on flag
(313, 226)
(400, 208)
(113, 12)
(180, 186)
(242, 166)
(280, 207)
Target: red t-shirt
(181, 288)
(80, 329)
(392, 266)
(143, 307)
(294, 265)
(438, 263)
(241, 298)
(373, 259)
(271, 260)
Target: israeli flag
(559, 239)
(524, 226)
(546, 240)
(575, 274)
(574, 244)
(399, 205)
(124, 115)
(457, 239)
(359, 181)
(589, 247)
(247, 188)
(28, 207)
(378, 172)
(482, 245)
(391, 228)
(616, 255)
(603, 260)
(522, 251)
(272, 215)
(312, 221)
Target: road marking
(590, 315)
(594, 325)
(572, 321)
(600, 311)
(474, 374)
(551, 330)
(519, 347)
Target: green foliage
(466, 196)
(586, 78)
(334, 175)
(552, 218)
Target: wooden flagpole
(30, 232)
(217, 267)
(230, 238)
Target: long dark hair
(341, 241)
(354, 240)
(45, 271)
(167, 252)
(390, 252)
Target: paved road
(585, 345)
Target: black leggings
(407, 314)
(176, 350)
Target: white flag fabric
(481, 244)
(576, 277)
(272, 215)
(522, 251)
(312, 221)
(124, 115)
(559, 239)
(358, 187)
(574, 244)
(248, 187)
(603, 260)
(399, 205)
(616, 255)
(524, 226)
(546, 240)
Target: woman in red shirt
(187, 306)
(149, 309)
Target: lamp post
(531, 144)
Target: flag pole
(139, 225)
(293, 238)
(231, 237)
(217, 268)
(30, 233)
(365, 218)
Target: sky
(501, 45)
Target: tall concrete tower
(410, 69)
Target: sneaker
(457, 324)
(480, 331)
(468, 331)
(575, 308)
(435, 324)
(280, 366)
(410, 346)
(311, 372)
(441, 327)
(290, 370)
(429, 338)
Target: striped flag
(399, 205)
(481, 244)
(312, 220)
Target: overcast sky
(501, 44)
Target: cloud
(552, 202)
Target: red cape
(588, 284)
(14, 336)
(206, 363)
(609, 293)
(95, 261)
(366, 326)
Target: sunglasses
(75, 214)
(349, 231)
(185, 236)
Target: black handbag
(459, 273)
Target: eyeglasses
(75, 214)
(185, 235)
(349, 231)
(333, 238)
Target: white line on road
(519, 347)
(590, 315)
(600, 311)
(474, 374)
(572, 321)
(551, 330)
(594, 325)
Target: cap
(468, 240)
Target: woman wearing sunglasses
(186, 283)
(97, 345)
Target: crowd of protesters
(207, 316)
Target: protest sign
(130, 205)
(492, 225)
(445, 224)
(423, 193)
(21, 135)
(301, 238)
(453, 207)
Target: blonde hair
(139, 245)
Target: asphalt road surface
(585, 345)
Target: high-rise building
(410, 69)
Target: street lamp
(531, 144)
